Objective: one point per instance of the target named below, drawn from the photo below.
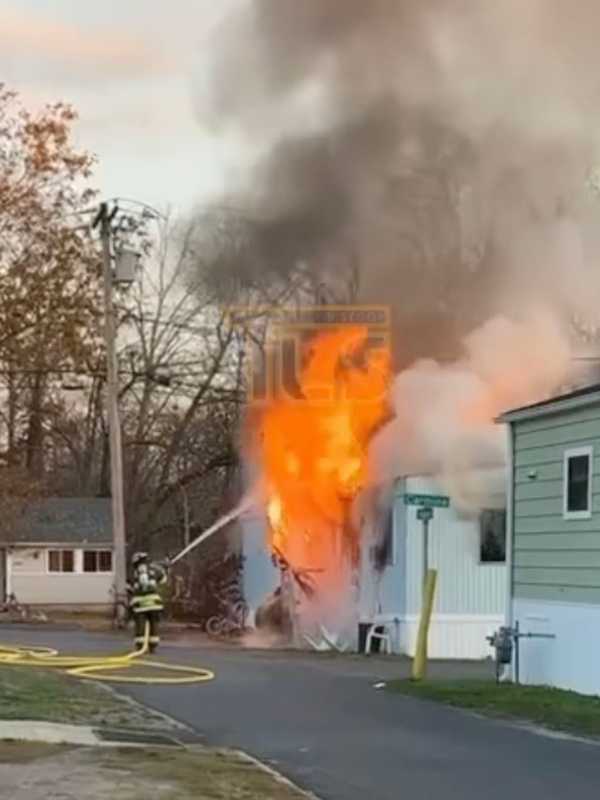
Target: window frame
(577, 452)
(480, 560)
(97, 551)
(392, 558)
(61, 550)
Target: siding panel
(538, 490)
(465, 586)
(545, 472)
(551, 453)
(565, 594)
(563, 434)
(558, 577)
(555, 558)
(578, 559)
(559, 541)
(559, 420)
(554, 523)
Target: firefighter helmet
(138, 558)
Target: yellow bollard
(419, 667)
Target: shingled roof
(66, 520)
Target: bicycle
(234, 621)
(13, 606)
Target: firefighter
(146, 602)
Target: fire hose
(90, 666)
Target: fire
(313, 449)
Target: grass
(163, 774)
(199, 773)
(551, 708)
(26, 752)
(42, 695)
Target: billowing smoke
(442, 146)
(444, 414)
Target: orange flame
(313, 449)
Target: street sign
(427, 500)
(424, 514)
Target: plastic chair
(379, 631)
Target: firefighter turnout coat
(147, 578)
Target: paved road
(320, 721)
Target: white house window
(492, 536)
(577, 501)
(97, 561)
(61, 561)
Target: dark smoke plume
(443, 145)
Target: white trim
(510, 505)
(8, 576)
(577, 452)
(458, 617)
(552, 407)
(64, 574)
(466, 618)
(56, 546)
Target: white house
(467, 550)
(61, 554)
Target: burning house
(389, 148)
(313, 453)
(333, 546)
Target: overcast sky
(128, 67)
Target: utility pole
(103, 220)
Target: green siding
(559, 576)
(554, 558)
(560, 420)
(575, 432)
(559, 541)
(564, 594)
(545, 455)
(557, 559)
(554, 523)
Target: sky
(131, 69)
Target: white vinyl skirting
(451, 636)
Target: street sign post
(425, 504)
(427, 500)
(425, 514)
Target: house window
(97, 561)
(384, 552)
(577, 499)
(61, 561)
(492, 536)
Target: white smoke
(444, 413)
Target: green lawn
(551, 708)
(45, 695)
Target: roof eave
(63, 544)
(551, 407)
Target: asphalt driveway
(319, 720)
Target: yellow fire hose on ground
(91, 666)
